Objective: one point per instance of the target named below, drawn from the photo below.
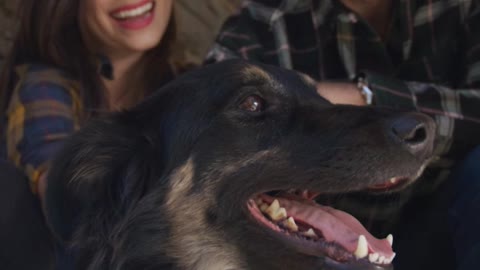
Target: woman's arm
(43, 110)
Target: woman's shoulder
(38, 73)
(40, 82)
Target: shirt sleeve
(456, 109)
(236, 39)
(40, 116)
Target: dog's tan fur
(252, 72)
(223, 168)
(196, 244)
(307, 79)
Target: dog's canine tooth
(362, 247)
(393, 180)
(310, 233)
(291, 225)
(390, 239)
(373, 257)
(258, 201)
(278, 215)
(274, 206)
(263, 207)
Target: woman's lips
(134, 17)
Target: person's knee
(465, 206)
(471, 259)
(466, 175)
(469, 166)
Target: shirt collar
(105, 68)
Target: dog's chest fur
(194, 243)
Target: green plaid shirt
(430, 61)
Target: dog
(220, 169)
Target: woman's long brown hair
(49, 34)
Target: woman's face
(122, 27)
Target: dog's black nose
(414, 131)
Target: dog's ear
(104, 167)
(110, 163)
(103, 177)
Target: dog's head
(219, 169)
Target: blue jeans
(464, 213)
(24, 237)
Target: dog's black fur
(165, 185)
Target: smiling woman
(72, 61)
(89, 57)
(122, 29)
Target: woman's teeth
(127, 14)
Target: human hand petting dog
(341, 93)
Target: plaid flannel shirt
(429, 62)
(43, 110)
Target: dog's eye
(253, 103)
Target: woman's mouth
(136, 16)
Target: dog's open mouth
(319, 230)
(393, 183)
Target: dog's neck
(195, 244)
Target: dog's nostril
(411, 132)
(411, 135)
(419, 136)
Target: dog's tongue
(336, 226)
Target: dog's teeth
(258, 201)
(263, 207)
(362, 247)
(387, 261)
(276, 212)
(291, 225)
(310, 233)
(373, 257)
(393, 180)
(381, 259)
(279, 215)
(274, 206)
(390, 239)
